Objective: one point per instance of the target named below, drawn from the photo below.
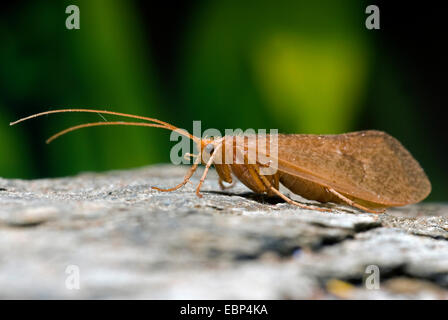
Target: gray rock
(129, 241)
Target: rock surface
(125, 240)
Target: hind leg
(353, 203)
(274, 191)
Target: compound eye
(209, 148)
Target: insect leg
(281, 195)
(267, 184)
(187, 156)
(353, 203)
(223, 187)
(186, 178)
(209, 163)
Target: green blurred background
(299, 66)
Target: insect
(369, 170)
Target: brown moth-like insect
(369, 170)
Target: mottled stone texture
(130, 241)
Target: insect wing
(368, 165)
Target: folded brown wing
(369, 165)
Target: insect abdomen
(307, 189)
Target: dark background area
(299, 66)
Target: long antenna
(162, 124)
(92, 111)
(122, 123)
